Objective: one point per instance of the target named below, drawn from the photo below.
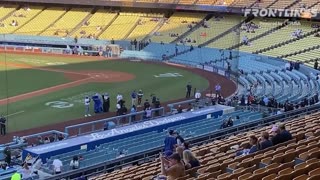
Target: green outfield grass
(34, 112)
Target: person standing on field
(87, 106)
(140, 95)
(188, 89)
(133, 98)
(3, 125)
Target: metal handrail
(113, 119)
(196, 140)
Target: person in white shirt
(197, 95)
(57, 164)
(119, 97)
(87, 106)
(74, 163)
(26, 172)
(287, 66)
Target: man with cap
(172, 166)
(169, 143)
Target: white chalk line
(19, 112)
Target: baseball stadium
(159, 89)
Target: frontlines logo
(305, 13)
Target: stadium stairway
(29, 20)
(316, 48)
(78, 26)
(195, 27)
(7, 11)
(288, 160)
(287, 42)
(283, 4)
(224, 33)
(262, 35)
(54, 21)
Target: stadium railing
(93, 126)
(153, 153)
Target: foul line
(42, 91)
(26, 66)
(14, 114)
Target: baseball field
(39, 90)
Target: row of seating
(143, 142)
(176, 24)
(298, 158)
(19, 18)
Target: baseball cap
(274, 129)
(175, 156)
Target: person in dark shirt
(227, 123)
(52, 138)
(188, 89)
(286, 135)
(7, 153)
(190, 160)
(276, 137)
(264, 141)
(169, 143)
(146, 104)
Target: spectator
(227, 123)
(276, 137)
(253, 141)
(140, 95)
(60, 137)
(26, 172)
(169, 143)
(46, 140)
(134, 97)
(118, 106)
(264, 141)
(175, 167)
(16, 176)
(186, 146)
(180, 150)
(7, 153)
(157, 104)
(179, 110)
(190, 160)
(74, 163)
(179, 139)
(197, 95)
(146, 104)
(218, 90)
(39, 140)
(52, 138)
(286, 135)
(57, 164)
(106, 126)
(315, 65)
(148, 113)
(133, 111)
